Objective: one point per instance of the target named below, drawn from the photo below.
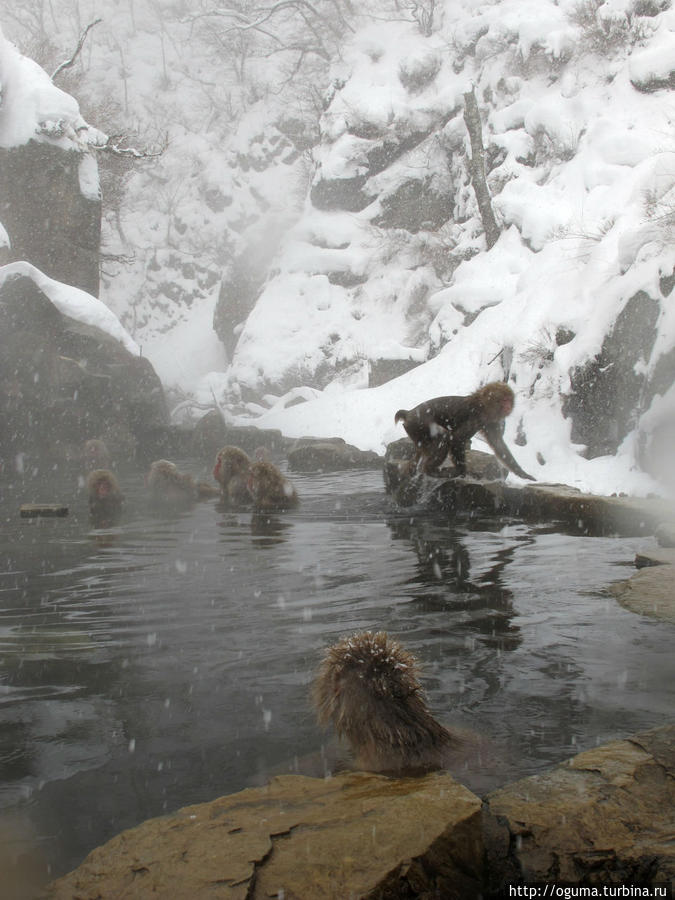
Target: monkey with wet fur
(231, 470)
(105, 496)
(369, 690)
(268, 488)
(445, 425)
(167, 485)
(95, 455)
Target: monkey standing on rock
(445, 425)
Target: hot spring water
(167, 661)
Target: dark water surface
(167, 661)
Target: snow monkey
(231, 471)
(445, 425)
(166, 485)
(368, 688)
(105, 496)
(268, 488)
(95, 455)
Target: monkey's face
(506, 407)
(103, 489)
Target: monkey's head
(162, 472)
(361, 678)
(103, 487)
(268, 487)
(230, 461)
(101, 483)
(496, 401)
(105, 496)
(96, 454)
(368, 688)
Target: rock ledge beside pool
(602, 817)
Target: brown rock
(211, 433)
(603, 817)
(485, 491)
(649, 592)
(330, 456)
(353, 835)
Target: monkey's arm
(493, 435)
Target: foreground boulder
(603, 817)
(353, 835)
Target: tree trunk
(477, 168)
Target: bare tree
(247, 30)
(66, 64)
(477, 168)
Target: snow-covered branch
(111, 145)
(69, 62)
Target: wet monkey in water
(259, 483)
(167, 486)
(445, 425)
(95, 455)
(105, 496)
(268, 488)
(368, 688)
(231, 471)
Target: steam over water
(167, 660)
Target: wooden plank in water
(33, 510)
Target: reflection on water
(167, 660)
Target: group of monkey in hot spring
(368, 685)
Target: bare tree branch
(477, 168)
(111, 146)
(69, 62)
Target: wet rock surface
(651, 590)
(484, 491)
(603, 817)
(353, 835)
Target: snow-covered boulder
(49, 188)
(69, 372)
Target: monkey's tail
(401, 416)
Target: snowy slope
(583, 189)
(577, 120)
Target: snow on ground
(583, 232)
